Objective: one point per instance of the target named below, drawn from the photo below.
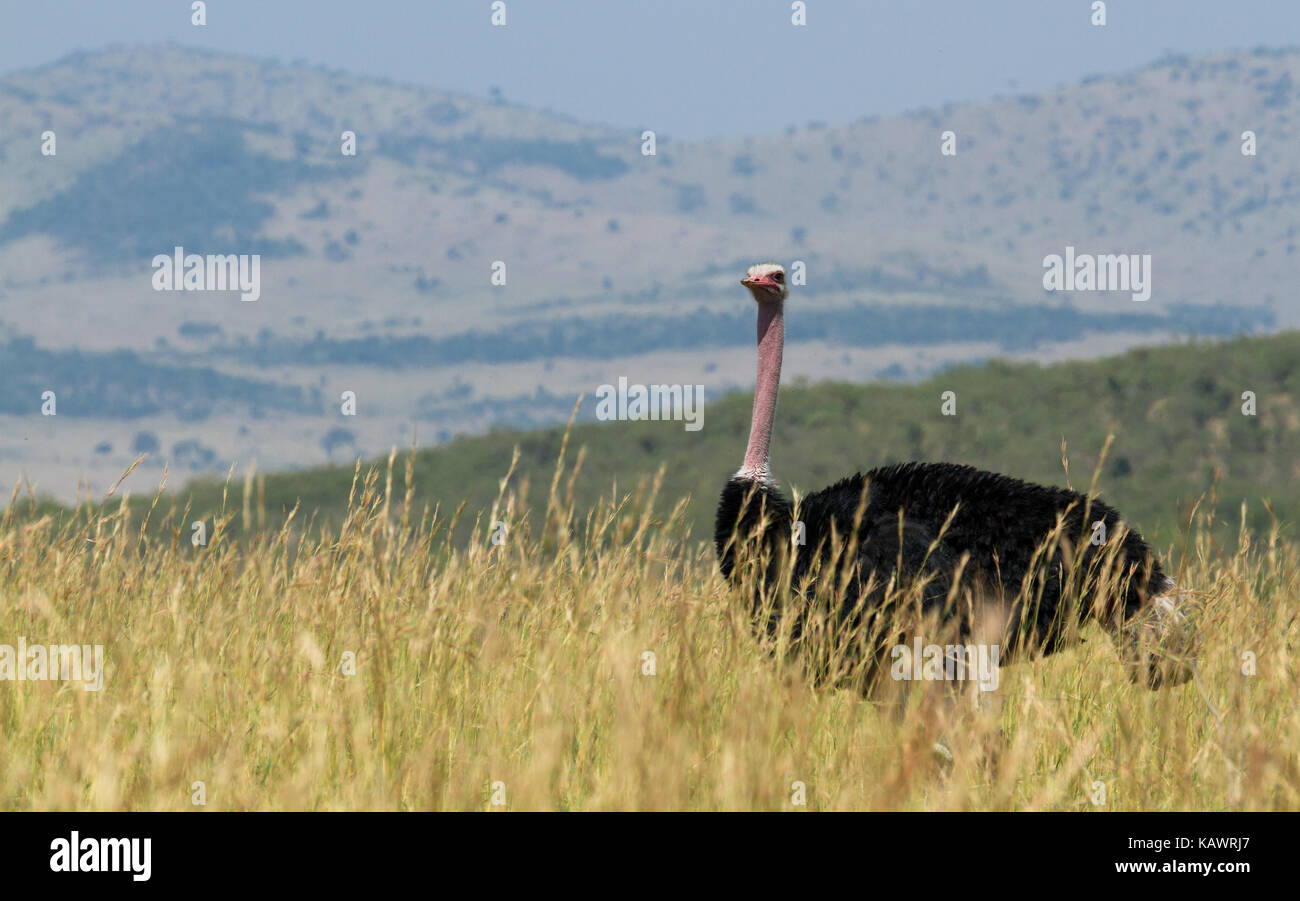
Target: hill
(1176, 413)
(376, 267)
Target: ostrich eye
(780, 277)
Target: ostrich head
(766, 281)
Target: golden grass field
(513, 676)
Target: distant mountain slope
(376, 277)
(1147, 162)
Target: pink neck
(771, 342)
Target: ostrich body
(946, 530)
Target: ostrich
(960, 544)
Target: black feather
(999, 525)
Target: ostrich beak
(764, 281)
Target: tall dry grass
(518, 673)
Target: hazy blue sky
(688, 68)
